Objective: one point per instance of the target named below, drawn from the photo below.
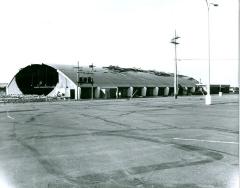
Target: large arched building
(108, 82)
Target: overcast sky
(127, 33)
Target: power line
(204, 59)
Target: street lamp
(208, 96)
(174, 41)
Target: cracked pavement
(145, 142)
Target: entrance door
(72, 93)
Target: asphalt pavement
(145, 142)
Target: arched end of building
(37, 79)
(63, 81)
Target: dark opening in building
(180, 90)
(171, 91)
(122, 92)
(149, 91)
(37, 79)
(137, 91)
(161, 91)
(72, 93)
(86, 93)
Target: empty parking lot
(146, 142)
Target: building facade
(107, 82)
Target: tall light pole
(174, 41)
(208, 96)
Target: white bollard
(130, 92)
(155, 91)
(97, 92)
(78, 93)
(166, 91)
(144, 92)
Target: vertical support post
(117, 93)
(208, 96)
(174, 41)
(92, 92)
(77, 80)
(92, 66)
(175, 75)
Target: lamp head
(214, 4)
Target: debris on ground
(27, 98)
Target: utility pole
(92, 66)
(78, 71)
(174, 41)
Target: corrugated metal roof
(105, 77)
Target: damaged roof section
(115, 76)
(158, 73)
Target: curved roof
(122, 77)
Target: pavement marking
(212, 141)
(9, 116)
